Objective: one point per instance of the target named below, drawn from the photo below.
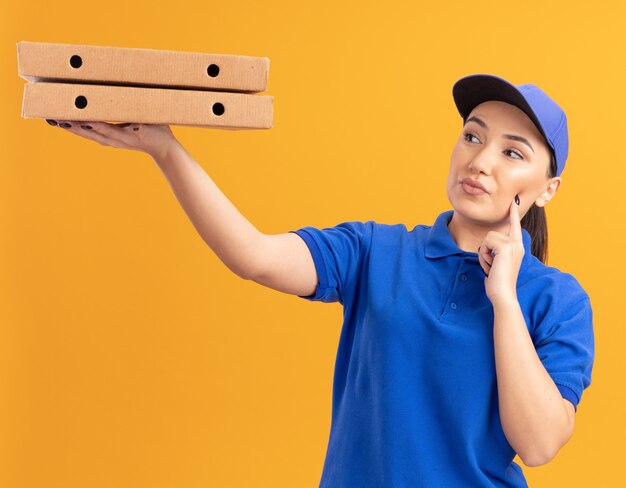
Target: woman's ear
(551, 189)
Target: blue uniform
(415, 400)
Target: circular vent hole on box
(218, 108)
(80, 102)
(213, 70)
(76, 61)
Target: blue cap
(549, 118)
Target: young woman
(460, 347)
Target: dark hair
(536, 224)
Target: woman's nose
(483, 160)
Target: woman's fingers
(153, 139)
(88, 131)
(117, 132)
(485, 259)
(115, 135)
(483, 264)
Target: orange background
(131, 356)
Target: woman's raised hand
(500, 256)
(152, 139)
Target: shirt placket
(457, 299)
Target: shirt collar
(439, 242)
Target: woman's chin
(472, 210)
(469, 205)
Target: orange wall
(131, 356)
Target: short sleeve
(338, 253)
(566, 348)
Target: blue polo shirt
(415, 400)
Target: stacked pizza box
(121, 84)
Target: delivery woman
(460, 347)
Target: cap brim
(473, 90)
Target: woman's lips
(472, 190)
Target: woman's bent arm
(536, 420)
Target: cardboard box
(42, 61)
(111, 84)
(70, 101)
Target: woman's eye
(468, 134)
(514, 152)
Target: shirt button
(453, 306)
(464, 277)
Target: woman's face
(506, 166)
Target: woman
(460, 347)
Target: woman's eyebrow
(513, 137)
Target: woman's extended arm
(225, 230)
(282, 261)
